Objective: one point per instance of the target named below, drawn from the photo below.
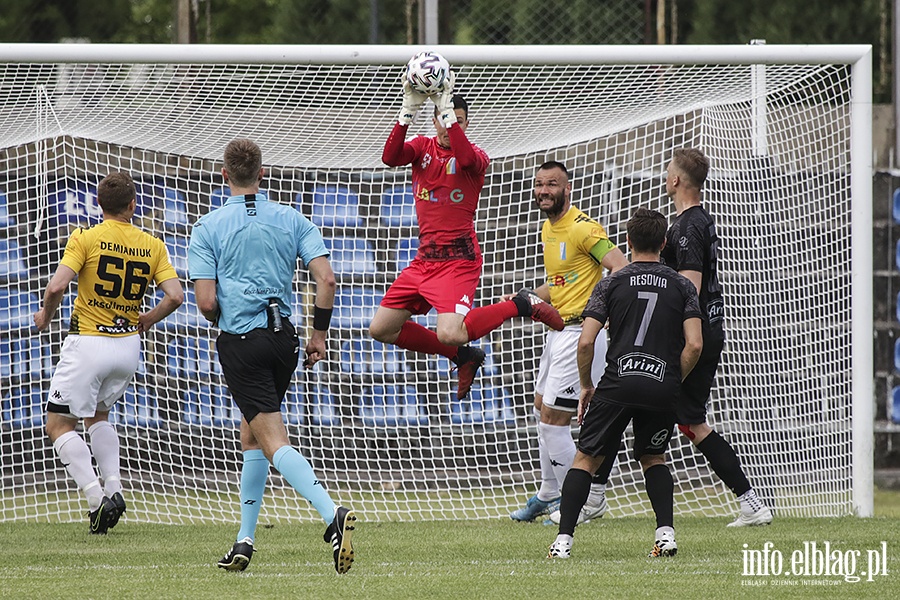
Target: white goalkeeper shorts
(93, 372)
(558, 381)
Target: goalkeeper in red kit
(447, 177)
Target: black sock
(724, 462)
(660, 486)
(602, 474)
(575, 491)
(523, 305)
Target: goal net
(381, 426)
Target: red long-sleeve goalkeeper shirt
(447, 184)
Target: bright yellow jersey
(115, 262)
(572, 269)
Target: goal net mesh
(381, 426)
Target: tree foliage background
(462, 21)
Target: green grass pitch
(494, 558)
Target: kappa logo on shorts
(465, 300)
(569, 390)
(644, 365)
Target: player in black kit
(692, 247)
(655, 339)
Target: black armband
(321, 318)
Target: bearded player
(655, 337)
(447, 178)
(576, 250)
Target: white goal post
(788, 133)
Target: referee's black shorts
(258, 367)
(690, 408)
(605, 422)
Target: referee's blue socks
(254, 473)
(298, 472)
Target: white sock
(660, 531)
(105, 447)
(560, 448)
(562, 537)
(597, 495)
(111, 485)
(76, 457)
(549, 485)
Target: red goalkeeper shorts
(448, 286)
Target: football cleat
(542, 311)
(762, 516)
(100, 519)
(534, 508)
(664, 546)
(469, 360)
(119, 501)
(339, 533)
(586, 513)
(238, 557)
(561, 548)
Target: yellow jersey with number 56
(573, 270)
(115, 262)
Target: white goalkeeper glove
(443, 100)
(412, 102)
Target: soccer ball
(427, 72)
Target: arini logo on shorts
(643, 365)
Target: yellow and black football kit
(115, 262)
(574, 246)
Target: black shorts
(605, 422)
(690, 408)
(258, 367)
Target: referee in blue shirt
(241, 259)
